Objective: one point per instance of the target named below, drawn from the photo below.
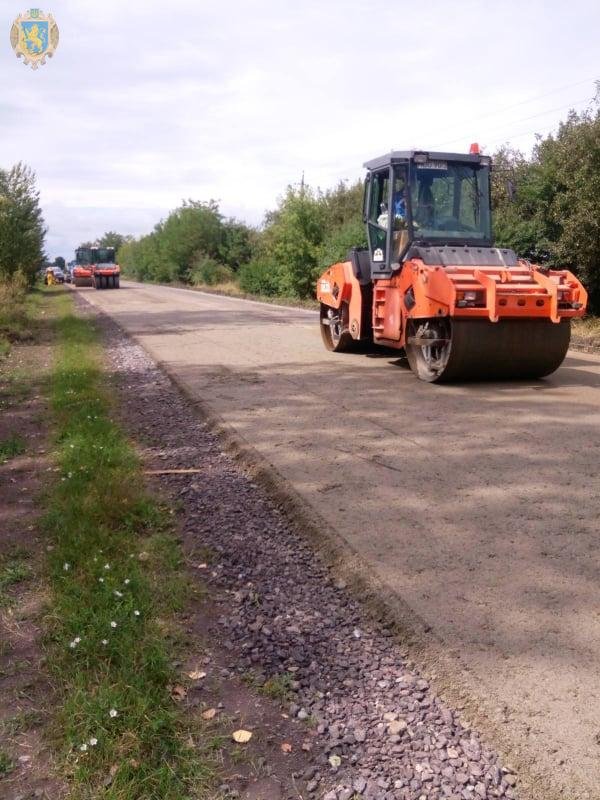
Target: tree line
(545, 206)
(196, 244)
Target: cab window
(378, 216)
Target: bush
(336, 245)
(205, 270)
(261, 277)
(13, 316)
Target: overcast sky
(147, 103)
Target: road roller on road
(82, 269)
(97, 267)
(432, 284)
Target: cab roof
(402, 156)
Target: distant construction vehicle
(97, 267)
(432, 284)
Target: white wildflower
(73, 644)
(105, 641)
(83, 748)
(136, 613)
(100, 580)
(113, 624)
(126, 581)
(107, 566)
(77, 639)
(66, 566)
(118, 593)
(113, 713)
(93, 741)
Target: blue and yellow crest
(33, 36)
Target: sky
(148, 103)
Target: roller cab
(431, 282)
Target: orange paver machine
(431, 282)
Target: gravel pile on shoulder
(379, 731)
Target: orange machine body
(82, 275)
(421, 291)
(106, 270)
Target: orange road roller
(97, 267)
(82, 271)
(432, 284)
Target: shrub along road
(470, 508)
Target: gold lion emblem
(33, 36)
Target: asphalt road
(478, 504)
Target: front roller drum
(445, 349)
(335, 329)
(78, 282)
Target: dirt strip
(371, 723)
(27, 767)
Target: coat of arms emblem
(33, 36)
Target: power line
(540, 96)
(512, 136)
(522, 103)
(523, 119)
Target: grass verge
(232, 289)
(116, 581)
(586, 331)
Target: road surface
(477, 504)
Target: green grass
(12, 571)
(11, 447)
(279, 687)
(6, 765)
(116, 575)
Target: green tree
(113, 239)
(238, 243)
(342, 205)
(336, 245)
(22, 230)
(575, 206)
(292, 240)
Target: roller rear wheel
(444, 349)
(334, 328)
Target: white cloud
(147, 103)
